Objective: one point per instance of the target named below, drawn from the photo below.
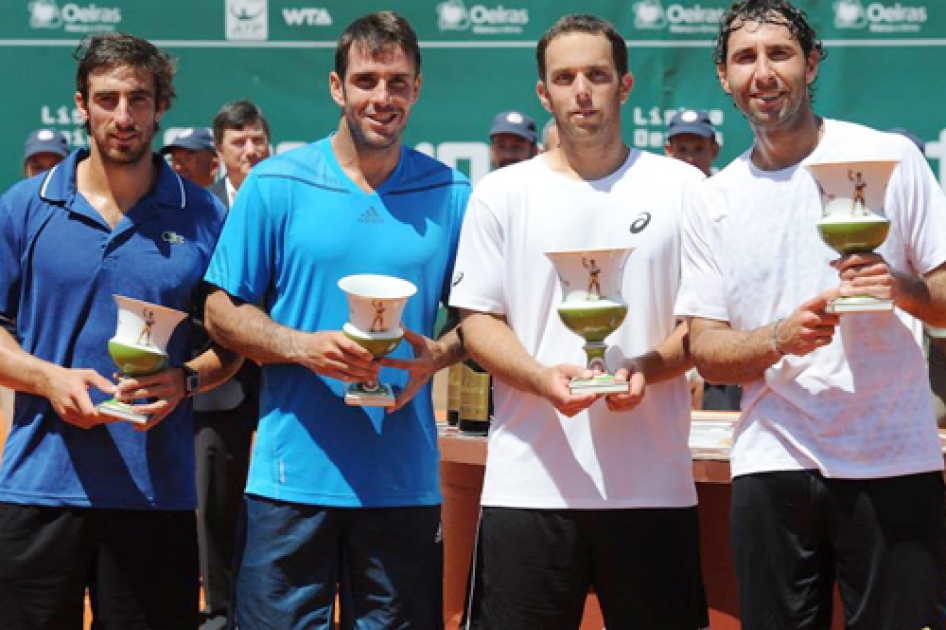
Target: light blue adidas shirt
(298, 225)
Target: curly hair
(778, 12)
(112, 50)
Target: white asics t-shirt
(861, 406)
(596, 459)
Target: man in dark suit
(226, 419)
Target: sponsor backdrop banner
(478, 59)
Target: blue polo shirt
(299, 225)
(60, 264)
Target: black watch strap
(191, 381)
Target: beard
(125, 154)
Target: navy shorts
(384, 564)
(795, 533)
(534, 568)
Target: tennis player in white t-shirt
(581, 491)
(836, 462)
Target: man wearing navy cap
(44, 149)
(691, 137)
(193, 155)
(512, 139)
(84, 498)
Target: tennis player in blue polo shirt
(342, 499)
(85, 499)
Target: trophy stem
(595, 350)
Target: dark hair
(582, 23)
(113, 50)
(778, 12)
(237, 115)
(375, 32)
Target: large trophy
(375, 304)
(592, 308)
(853, 220)
(139, 347)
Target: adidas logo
(371, 215)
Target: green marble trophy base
(859, 304)
(122, 411)
(359, 394)
(379, 345)
(601, 384)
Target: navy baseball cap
(692, 121)
(46, 141)
(193, 138)
(516, 123)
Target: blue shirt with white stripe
(60, 264)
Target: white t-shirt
(596, 459)
(861, 406)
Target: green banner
(478, 59)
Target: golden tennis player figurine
(592, 307)
(853, 219)
(375, 304)
(139, 347)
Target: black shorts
(384, 564)
(883, 540)
(140, 565)
(533, 569)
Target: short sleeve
(478, 273)
(243, 261)
(702, 291)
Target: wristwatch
(191, 381)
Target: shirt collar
(60, 182)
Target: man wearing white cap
(512, 139)
(44, 149)
(193, 156)
(691, 137)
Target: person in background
(512, 139)
(241, 137)
(226, 418)
(44, 149)
(192, 154)
(691, 137)
(550, 139)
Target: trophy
(375, 304)
(853, 221)
(139, 347)
(592, 307)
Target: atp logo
(452, 15)
(849, 14)
(649, 14)
(45, 14)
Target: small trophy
(592, 307)
(139, 347)
(375, 304)
(853, 221)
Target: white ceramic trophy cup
(592, 307)
(139, 347)
(853, 220)
(375, 304)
